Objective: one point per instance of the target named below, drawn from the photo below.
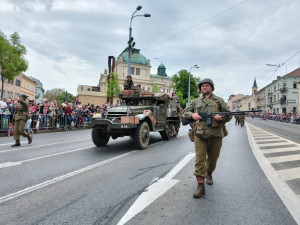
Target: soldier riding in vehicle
(143, 112)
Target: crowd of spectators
(50, 115)
(293, 118)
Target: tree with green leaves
(155, 88)
(60, 98)
(12, 61)
(181, 85)
(52, 93)
(113, 87)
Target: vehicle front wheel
(142, 135)
(99, 138)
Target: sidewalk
(279, 158)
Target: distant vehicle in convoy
(139, 114)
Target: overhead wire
(280, 66)
(191, 27)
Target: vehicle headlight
(97, 115)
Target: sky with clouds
(68, 41)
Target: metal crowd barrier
(44, 122)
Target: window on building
(132, 70)
(17, 95)
(284, 85)
(143, 88)
(81, 88)
(164, 90)
(283, 110)
(9, 94)
(89, 89)
(294, 85)
(294, 109)
(138, 71)
(11, 82)
(148, 89)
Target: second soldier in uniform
(20, 117)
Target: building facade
(12, 88)
(234, 102)
(281, 95)
(28, 87)
(39, 90)
(140, 71)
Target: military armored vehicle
(139, 114)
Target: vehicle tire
(171, 130)
(99, 138)
(142, 135)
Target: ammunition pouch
(191, 135)
(198, 127)
(225, 131)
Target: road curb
(289, 198)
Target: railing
(44, 122)
(282, 89)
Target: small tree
(113, 88)
(60, 98)
(155, 88)
(181, 85)
(12, 61)
(52, 93)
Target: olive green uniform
(128, 84)
(242, 120)
(21, 118)
(207, 139)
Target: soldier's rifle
(207, 117)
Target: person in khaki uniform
(207, 139)
(128, 84)
(21, 116)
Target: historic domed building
(140, 71)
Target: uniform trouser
(19, 129)
(207, 154)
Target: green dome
(162, 66)
(136, 57)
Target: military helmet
(207, 80)
(24, 96)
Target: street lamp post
(189, 93)
(130, 42)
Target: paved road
(286, 130)
(61, 178)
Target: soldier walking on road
(21, 116)
(207, 139)
(128, 84)
(242, 120)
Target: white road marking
(8, 164)
(280, 150)
(61, 178)
(288, 197)
(37, 146)
(289, 174)
(284, 159)
(13, 143)
(155, 190)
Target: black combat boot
(200, 191)
(209, 178)
(29, 138)
(16, 144)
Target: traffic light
(130, 41)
